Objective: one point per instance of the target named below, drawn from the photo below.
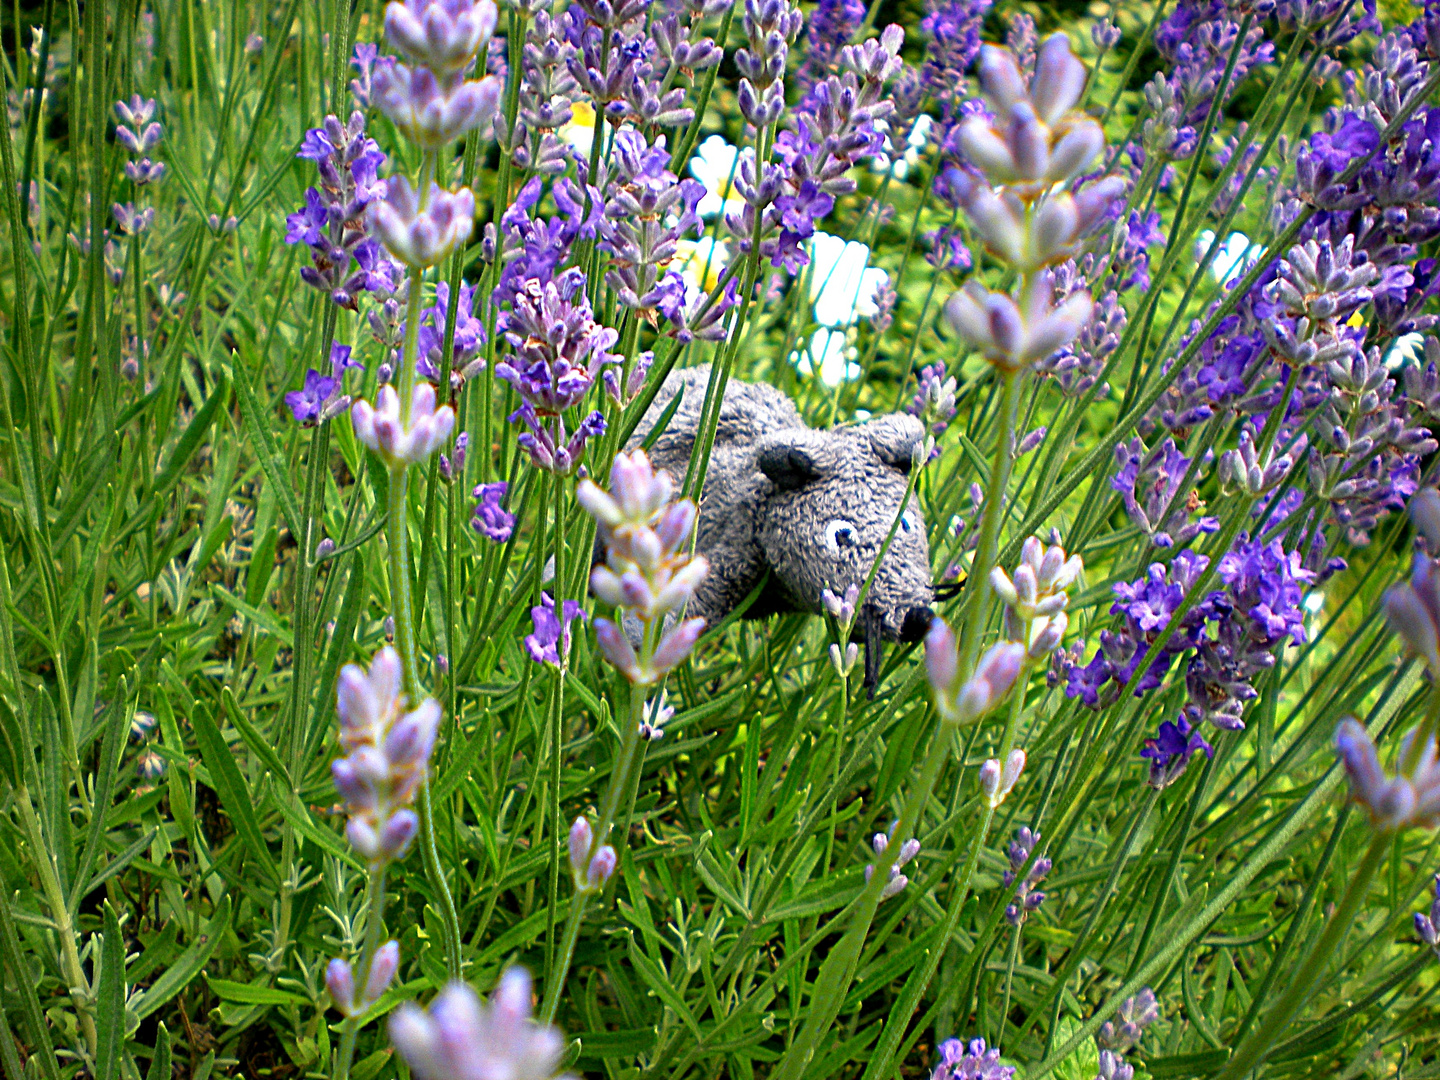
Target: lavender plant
(356, 720)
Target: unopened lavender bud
(996, 779)
(580, 841)
(397, 833)
(390, 629)
(382, 970)
(1425, 512)
(325, 548)
(601, 867)
(995, 676)
(1031, 441)
(676, 646)
(908, 851)
(442, 664)
(844, 662)
(340, 981)
(894, 886)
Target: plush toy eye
(840, 535)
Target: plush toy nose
(915, 624)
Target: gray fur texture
(812, 507)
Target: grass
(176, 876)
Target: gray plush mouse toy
(812, 508)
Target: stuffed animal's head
(834, 496)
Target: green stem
(402, 608)
(838, 970)
(374, 920)
(977, 607)
(1311, 971)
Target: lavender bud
(340, 981)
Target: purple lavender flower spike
(1027, 898)
(1170, 751)
(461, 1038)
(444, 35)
(416, 237)
(331, 222)
(1412, 797)
(427, 111)
(490, 519)
(1134, 1015)
(970, 1061)
(650, 211)
(387, 755)
(1428, 925)
(550, 641)
(306, 403)
(558, 347)
(1155, 476)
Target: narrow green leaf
(191, 438)
(253, 739)
(327, 841)
(231, 787)
(117, 721)
(37, 1029)
(655, 978)
(110, 999)
(176, 977)
(252, 994)
(115, 865)
(160, 1062)
(257, 429)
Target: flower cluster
(340, 980)
(139, 134)
(648, 212)
(322, 396)
(590, 867)
(995, 676)
(387, 754)
(1171, 750)
(970, 1061)
(432, 104)
(1027, 898)
(1148, 482)
(1021, 156)
(459, 1038)
(491, 520)
(465, 359)
(1196, 40)
(934, 403)
(332, 221)
(557, 353)
(1234, 631)
(1411, 797)
(648, 573)
(398, 439)
(1114, 1040)
(880, 843)
(1035, 598)
(549, 642)
(998, 778)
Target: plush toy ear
(788, 467)
(894, 439)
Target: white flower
(579, 130)
(1233, 259)
(843, 284)
(715, 164)
(830, 353)
(1406, 349)
(914, 147)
